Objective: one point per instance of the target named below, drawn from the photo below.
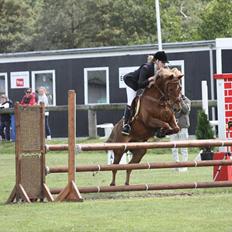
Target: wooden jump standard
(30, 151)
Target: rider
(139, 79)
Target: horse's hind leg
(136, 158)
(117, 157)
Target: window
(96, 85)
(45, 78)
(179, 64)
(3, 84)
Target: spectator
(5, 118)
(29, 99)
(42, 98)
(183, 122)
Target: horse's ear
(180, 76)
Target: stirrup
(126, 129)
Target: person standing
(140, 79)
(183, 122)
(5, 103)
(42, 98)
(29, 99)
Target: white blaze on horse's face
(173, 89)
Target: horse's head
(168, 81)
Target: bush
(204, 131)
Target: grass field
(182, 210)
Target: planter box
(222, 173)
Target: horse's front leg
(166, 128)
(175, 128)
(157, 123)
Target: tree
(216, 20)
(180, 19)
(85, 23)
(59, 24)
(120, 22)
(49, 24)
(16, 28)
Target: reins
(164, 98)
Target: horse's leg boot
(159, 133)
(126, 119)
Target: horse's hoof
(160, 133)
(176, 130)
(112, 184)
(127, 183)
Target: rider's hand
(151, 81)
(150, 84)
(151, 78)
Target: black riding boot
(126, 119)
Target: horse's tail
(110, 139)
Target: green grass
(180, 210)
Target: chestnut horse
(158, 103)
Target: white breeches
(130, 95)
(181, 135)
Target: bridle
(165, 98)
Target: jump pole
(143, 145)
(142, 166)
(148, 187)
(71, 192)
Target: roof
(105, 51)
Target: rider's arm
(143, 77)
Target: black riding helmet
(162, 56)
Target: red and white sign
(19, 80)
